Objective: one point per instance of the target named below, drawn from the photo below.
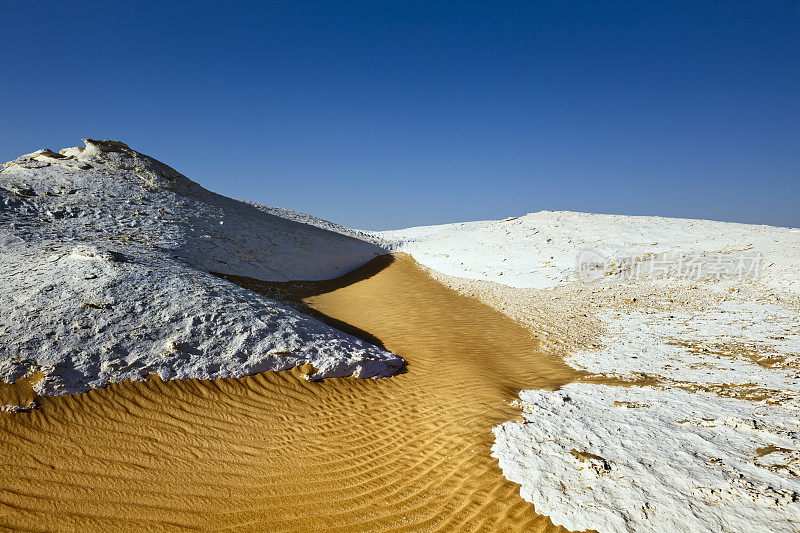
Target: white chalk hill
(105, 276)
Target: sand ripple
(274, 451)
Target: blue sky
(390, 114)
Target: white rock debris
(737, 343)
(106, 276)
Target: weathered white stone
(105, 276)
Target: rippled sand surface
(276, 452)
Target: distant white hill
(539, 249)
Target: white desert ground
(174, 359)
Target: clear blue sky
(392, 114)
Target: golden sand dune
(276, 452)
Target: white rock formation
(104, 276)
(647, 459)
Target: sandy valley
(176, 359)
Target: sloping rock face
(105, 276)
